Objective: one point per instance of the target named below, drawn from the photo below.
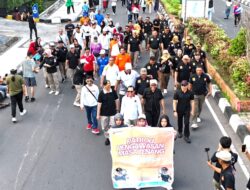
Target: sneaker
(107, 142)
(13, 119)
(180, 135)
(187, 139)
(26, 99)
(113, 13)
(32, 99)
(63, 80)
(51, 92)
(89, 126)
(198, 120)
(73, 86)
(194, 126)
(46, 86)
(165, 91)
(95, 131)
(23, 112)
(56, 93)
(76, 104)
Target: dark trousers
(91, 112)
(143, 9)
(136, 16)
(123, 2)
(68, 9)
(237, 19)
(33, 28)
(152, 118)
(114, 9)
(16, 100)
(186, 117)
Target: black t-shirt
(184, 101)
(188, 49)
(78, 49)
(152, 69)
(165, 66)
(107, 100)
(32, 24)
(214, 159)
(156, 23)
(227, 178)
(183, 71)
(199, 83)
(126, 35)
(134, 44)
(61, 54)
(141, 85)
(141, 23)
(148, 27)
(50, 61)
(154, 42)
(166, 39)
(176, 60)
(69, 28)
(175, 33)
(152, 100)
(79, 75)
(173, 47)
(73, 59)
(202, 54)
(163, 23)
(195, 63)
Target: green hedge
(172, 6)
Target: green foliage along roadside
(172, 6)
(228, 55)
(239, 43)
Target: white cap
(72, 46)
(51, 44)
(143, 71)
(224, 155)
(153, 81)
(83, 61)
(142, 116)
(128, 66)
(102, 51)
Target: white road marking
(224, 133)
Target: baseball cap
(71, 46)
(184, 83)
(51, 44)
(224, 155)
(143, 71)
(128, 66)
(102, 52)
(142, 116)
(153, 81)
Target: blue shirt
(28, 66)
(102, 62)
(99, 18)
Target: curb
(234, 120)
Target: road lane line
(224, 133)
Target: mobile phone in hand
(243, 148)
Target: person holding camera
(16, 90)
(224, 145)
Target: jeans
(91, 112)
(4, 90)
(237, 19)
(16, 100)
(185, 116)
(34, 28)
(227, 12)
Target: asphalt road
(49, 148)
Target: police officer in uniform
(127, 34)
(188, 47)
(61, 58)
(182, 71)
(201, 86)
(156, 23)
(154, 45)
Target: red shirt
(90, 65)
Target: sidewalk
(61, 15)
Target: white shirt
(87, 99)
(131, 108)
(94, 32)
(79, 37)
(85, 30)
(111, 73)
(104, 40)
(64, 38)
(127, 80)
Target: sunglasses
(184, 85)
(130, 91)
